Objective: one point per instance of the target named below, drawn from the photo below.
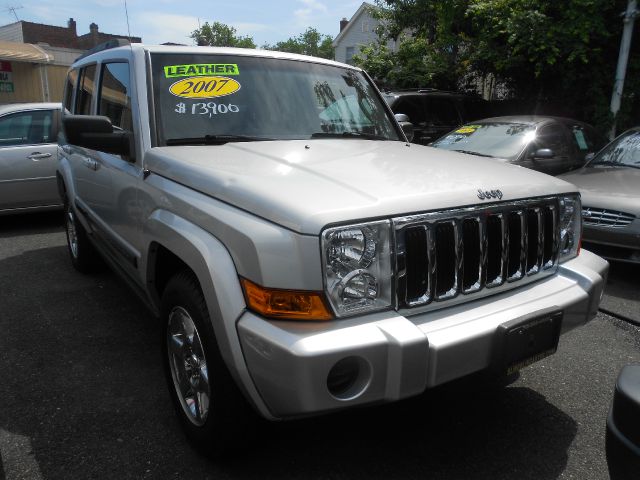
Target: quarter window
(26, 128)
(115, 95)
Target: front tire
(212, 411)
(84, 257)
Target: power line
(13, 10)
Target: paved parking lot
(82, 394)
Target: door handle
(90, 163)
(35, 156)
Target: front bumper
(400, 356)
(621, 244)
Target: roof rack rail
(114, 43)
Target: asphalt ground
(83, 394)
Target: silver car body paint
(256, 210)
(28, 171)
(612, 190)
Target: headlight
(570, 226)
(357, 267)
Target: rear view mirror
(405, 124)
(543, 153)
(96, 133)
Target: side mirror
(589, 156)
(96, 133)
(543, 153)
(405, 124)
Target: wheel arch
(175, 243)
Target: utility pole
(629, 18)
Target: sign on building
(6, 77)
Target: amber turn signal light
(285, 304)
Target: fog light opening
(349, 378)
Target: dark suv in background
(436, 112)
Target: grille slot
(494, 250)
(446, 260)
(417, 276)
(463, 252)
(608, 218)
(517, 246)
(471, 255)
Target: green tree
(311, 42)
(220, 35)
(561, 55)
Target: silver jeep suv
(301, 255)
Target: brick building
(66, 37)
(34, 58)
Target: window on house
(349, 55)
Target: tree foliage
(219, 34)
(559, 54)
(311, 42)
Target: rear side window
(552, 137)
(441, 111)
(413, 108)
(115, 95)
(86, 90)
(26, 128)
(72, 80)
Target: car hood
(305, 185)
(615, 188)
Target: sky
(159, 21)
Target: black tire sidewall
(85, 260)
(227, 408)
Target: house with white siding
(360, 30)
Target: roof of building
(65, 37)
(363, 8)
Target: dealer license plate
(526, 340)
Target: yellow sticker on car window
(467, 129)
(204, 87)
(201, 69)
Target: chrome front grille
(606, 218)
(464, 252)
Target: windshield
(219, 98)
(503, 140)
(623, 152)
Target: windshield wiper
(215, 140)
(474, 153)
(367, 136)
(613, 164)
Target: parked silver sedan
(28, 157)
(610, 189)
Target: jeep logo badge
(487, 194)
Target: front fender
(212, 264)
